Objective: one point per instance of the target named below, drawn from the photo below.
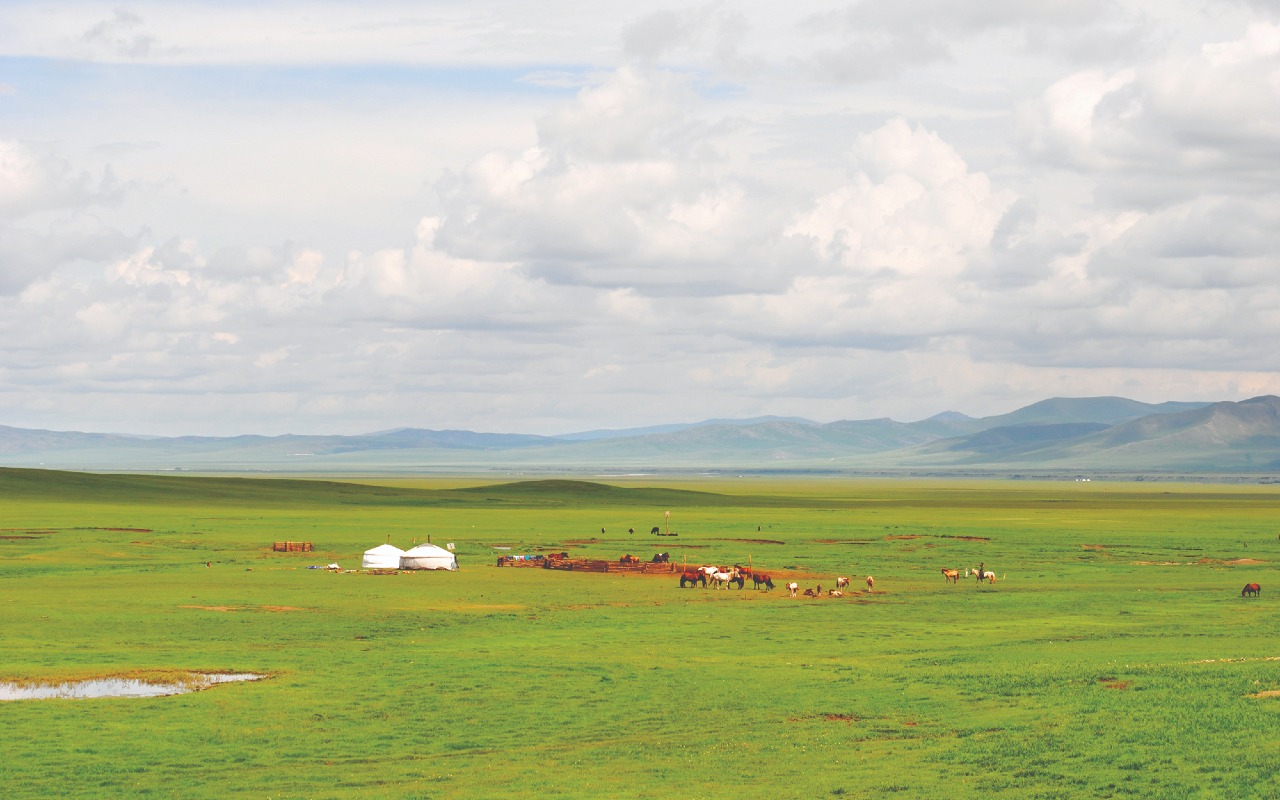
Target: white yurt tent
(384, 556)
(428, 556)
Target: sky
(340, 217)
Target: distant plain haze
(226, 218)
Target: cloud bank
(224, 219)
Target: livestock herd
(719, 577)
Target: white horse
(723, 579)
(842, 582)
(793, 587)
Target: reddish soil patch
(843, 541)
(1266, 694)
(284, 608)
(1093, 547)
(893, 536)
(756, 541)
(840, 717)
(1241, 562)
(127, 530)
(966, 538)
(1112, 683)
(212, 608)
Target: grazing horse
(1251, 590)
(842, 582)
(871, 583)
(691, 577)
(792, 588)
(655, 530)
(661, 558)
(951, 575)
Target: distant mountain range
(1091, 433)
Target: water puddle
(120, 687)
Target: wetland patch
(121, 686)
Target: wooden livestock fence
(602, 565)
(292, 547)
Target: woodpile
(292, 547)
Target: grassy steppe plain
(1114, 658)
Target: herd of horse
(719, 577)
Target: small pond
(120, 687)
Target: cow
(1251, 590)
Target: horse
(842, 582)
(759, 579)
(629, 559)
(985, 575)
(792, 588)
(692, 576)
(655, 530)
(835, 593)
(719, 579)
(1251, 590)
(951, 575)
(661, 558)
(631, 530)
(871, 583)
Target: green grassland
(1113, 658)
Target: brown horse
(1251, 590)
(692, 576)
(951, 575)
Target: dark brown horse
(1251, 590)
(692, 576)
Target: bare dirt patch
(756, 541)
(844, 541)
(894, 536)
(1093, 547)
(1112, 683)
(1265, 694)
(229, 609)
(128, 530)
(966, 538)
